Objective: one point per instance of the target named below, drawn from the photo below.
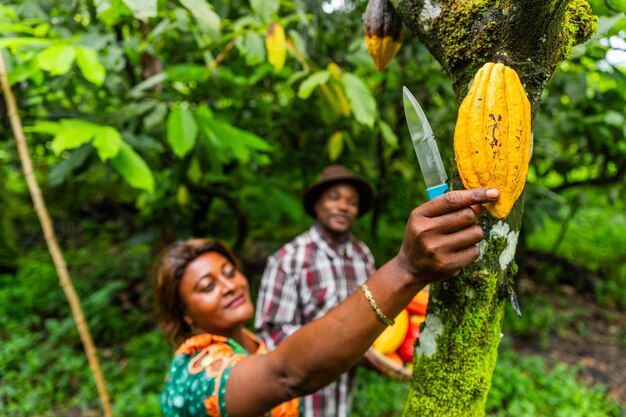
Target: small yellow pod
(391, 338)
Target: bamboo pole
(51, 241)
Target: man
(318, 269)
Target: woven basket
(388, 368)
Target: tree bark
(457, 350)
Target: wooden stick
(51, 240)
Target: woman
(222, 369)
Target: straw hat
(338, 174)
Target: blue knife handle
(436, 191)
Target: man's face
(337, 209)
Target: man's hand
(441, 235)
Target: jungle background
(152, 120)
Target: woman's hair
(168, 272)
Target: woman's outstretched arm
(440, 238)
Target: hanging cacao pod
(492, 137)
(383, 32)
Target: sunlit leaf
(51, 128)
(361, 100)
(107, 142)
(265, 8)
(203, 12)
(72, 134)
(57, 59)
(181, 131)
(133, 168)
(110, 11)
(142, 9)
(311, 82)
(89, 65)
(276, 45)
(15, 42)
(335, 146)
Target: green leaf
(361, 100)
(311, 82)
(89, 65)
(618, 5)
(242, 143)
(207, 19)
(181, 131)
(50, 128)
(335, 146)
(186, 72)
(251, 46)
(142, 9)
(110, 11)
(155, 117)
(63, 169)
(133, 168)
(265, 8)
(107, 142)
(613, 118)
(72, 134)
(388, 134)
(15, 42)
(57, 59)
(151, 82)
(24, 71)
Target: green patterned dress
(196, 384)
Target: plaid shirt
(303, 280)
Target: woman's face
(216, 295)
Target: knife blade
(425, 146)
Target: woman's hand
(441, 235)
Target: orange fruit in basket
(395, 358)
(391, 338)
(419, 303)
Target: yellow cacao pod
(391, 338)
(383, 32)
(492, 137)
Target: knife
(425, 146)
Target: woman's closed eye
(208, 285)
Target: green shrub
(526, 386)
(594, 238)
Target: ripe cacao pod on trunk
(383, 32)
(492, 137)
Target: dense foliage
(153, 120)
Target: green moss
(458, 375)
(580, 24)
(461, 45)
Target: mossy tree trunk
(458, 347)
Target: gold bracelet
(379, 313)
